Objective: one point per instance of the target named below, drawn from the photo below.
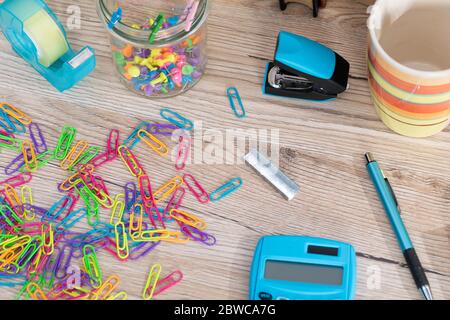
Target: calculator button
(265, 296)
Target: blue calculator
(302, 268)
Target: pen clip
(393, 193)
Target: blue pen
(390, 204)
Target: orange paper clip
(157, 145)
(167, 189)
(74, 154)
(29, 155)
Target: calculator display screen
(299, 272)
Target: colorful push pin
(116, 16)
(155, 28)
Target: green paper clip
(65, 142)
(10, 143)
(156, 27)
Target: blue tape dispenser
(305, 69)
(302, 268)
(36, 34)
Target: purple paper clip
(130, 195)
(15, 165)
(161, 129)
(37, 138)
(140, 251)
(198, 235)
(63, 262)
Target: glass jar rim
(164, 37)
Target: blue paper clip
(233, 93)
(176, 119)
(134, 138)
(116, 17)
(226, 189)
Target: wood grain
(321, 147)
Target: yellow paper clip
(157, 145)
(35, 292)
(130, 161)
(136, 219)
(48, 245)
(14, 201)
(29, 155)
(168, 188)
(117, 209)
(107, 288)
(103, 198)
(122, 295)
(152, 280)
(27, 198)
(121, 241)
(73, 155)
(160, 235)
(188, 219)
(16, 113)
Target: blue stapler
(37, 35)
(305, 69)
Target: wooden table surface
(322, 148)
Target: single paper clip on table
(37, 35)
(305, 69)
(272, 173)
(315, 5)
(302, 268)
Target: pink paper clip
(174, 202)
(196, 188)
(167, 283)
(17, 180)
(112, 146)
(146, 191)
(130, 161)
(183, 151)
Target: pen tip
(426, 291)
(369, 157)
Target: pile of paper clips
(37, 246)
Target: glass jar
(170, 63)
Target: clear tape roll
(47, 37)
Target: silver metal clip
(279, 80)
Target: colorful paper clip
(233, 94)
(64, 142)
(74, 154)
(121, 241)
(87, 156)
(91, 265)
(133, 138)
(152, 281)
(35, 292)
(15, 165)
(48, 245)
(157, 145)
(37, 138)
(198, 235)
(167, 189)
(225, 189)
(167, 282)
(136, 219)
(146, 191)
(183, 151)
(176, 119)
(174, 202)
(8, 142)
(112, 145)
(16, 181)
(27, 198)
(161, 129)
(155, 28)
(196, 188)
(29, 155)
(117, 209)
(130, 161)
(115, 18)
(16, 113)
(122, 295)
(107, 288)
(188, 219)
